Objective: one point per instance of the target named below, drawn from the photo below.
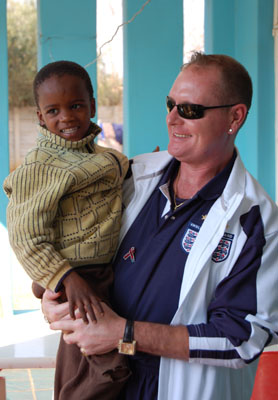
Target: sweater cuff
(56, 281)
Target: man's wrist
(127, 345)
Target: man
(198, 252)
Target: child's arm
(80, 295)
(35, 192)
(33, 205)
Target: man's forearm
(162, 340)
(103, 336)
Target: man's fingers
(65, 325)
(51, 295)
(62, 308)
(66, 332)
(68, 337)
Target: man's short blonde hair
(236, 85)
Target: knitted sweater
(65, 204)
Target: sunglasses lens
(187, 111)
(170, 104)
(190, 111)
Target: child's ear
(93, 108)
(40, 117)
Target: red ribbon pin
(130, 254)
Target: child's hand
(37, 290)
(80, 295)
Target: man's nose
(173, 116)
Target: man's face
(202, 141)
(65, 107)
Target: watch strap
(129, 331)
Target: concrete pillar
(153, 54)
(243, 30)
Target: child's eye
(53, 111)
(76, 106)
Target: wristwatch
(127, 345)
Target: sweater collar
(93, 131)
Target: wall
(243, 30)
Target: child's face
(65, 107)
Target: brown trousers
(88, 378)
(94, 377)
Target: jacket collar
(145, 166)
(212, 190)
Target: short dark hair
(61, 68)
(236, 86)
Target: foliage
(22, 51)
(109, 87)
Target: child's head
(65, 100)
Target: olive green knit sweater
(65, 204)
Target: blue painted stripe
(236, 296)
(214, 354)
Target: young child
(64, 216)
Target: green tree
(22, 51)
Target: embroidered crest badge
(190, 237)
(222, 251)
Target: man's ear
(93, 108)
(40, 117)
(239, 114)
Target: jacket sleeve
(242, 317)
(34, 191)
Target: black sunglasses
(190, 111)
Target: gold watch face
(127, 348)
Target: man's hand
(152, 338)
(99, 338)
(80, 295)
(52, 309)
